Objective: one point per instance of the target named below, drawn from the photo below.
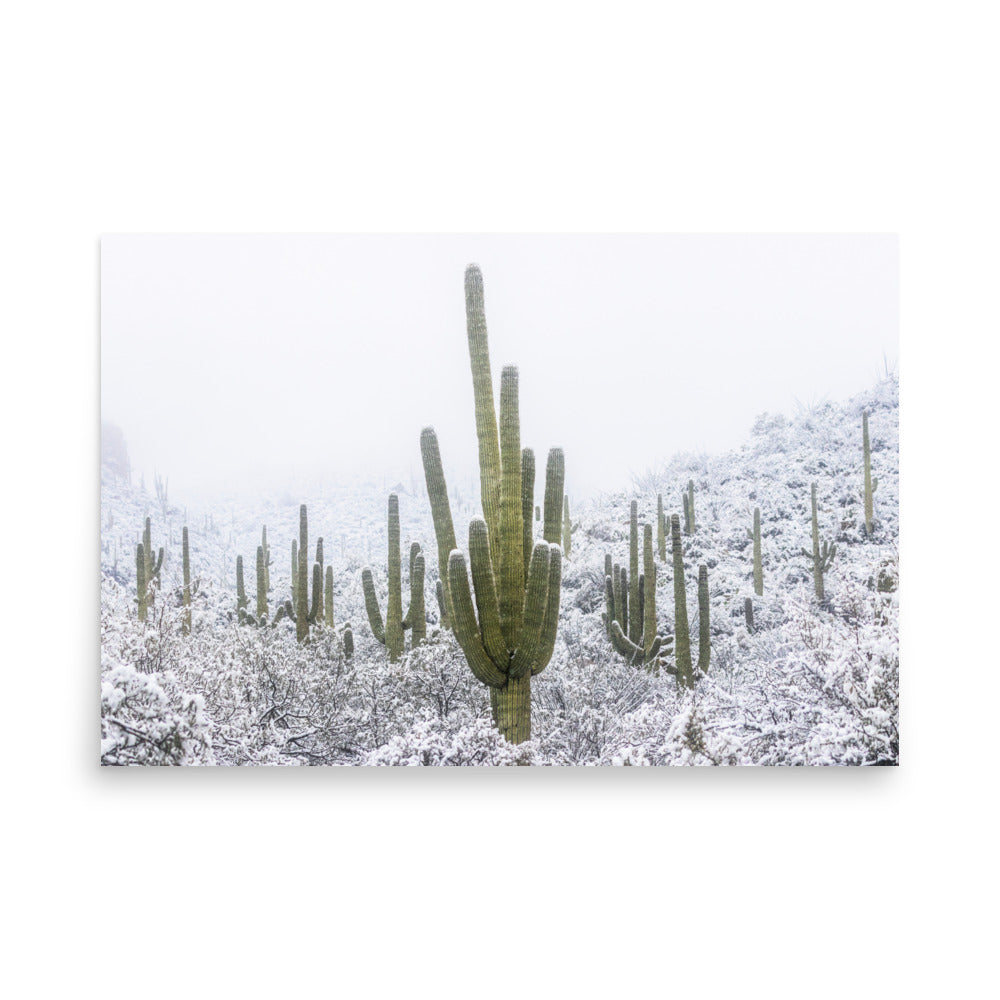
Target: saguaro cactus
(871, 485)
(390, 634)
(650, 646)
(147, 572)
(301, 609)
(661, 529)
(704, 631)
(186, 561)
(682, 635)
(568, 528)
(241, 592)
(821, 555)
(509, 634)
(758, 569)
(688, 497)
(748, 613)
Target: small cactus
(821, 555)
(871, 485)
(748, 613)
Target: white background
(712, 117)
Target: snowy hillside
(811, 684)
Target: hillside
(812, 684)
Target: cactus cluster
(630, 598)
(509, 634)
(390, 632)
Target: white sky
(235, 363)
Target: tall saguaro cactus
(758, 569)
(871, 485)
(821, 555)
(147, 569)
(509, 634)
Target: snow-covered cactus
(871, 485)
(758, 568)
(301, 609)
(509, 634)
(682, 636)
(416, 617)
(704, 633)
(348, 642)
(634, 614)
(267, 558)
(650, 646)
(261, 583)
(748, 613)
(186, 563)
(822, 554)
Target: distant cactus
(704, 625)
(688, 498)
(390, 634)
(186, 562)
(303, 611)
(509, 634)
(328, 598)
(871, 485)
(650, 645)
(568, 528)
(748, 613)
(661, 529)
(821, 555)
(758, 569)
(682, 635)
(147, 572)
(241, 592)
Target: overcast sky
(235, 363)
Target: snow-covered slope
(811, 684)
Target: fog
(236, 364)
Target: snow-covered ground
(811, 684)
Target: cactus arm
(527, 501)
(609, 603)
(317, 593)
(407, 618)
(623, 598)
(487, 603)
(623, 645)
(649, 591)
(511, 569)
(439, 594)
(567, 527)
(547, 641)
(465, 626)
(371, 605)
(535, 606)
(444, 528)
(482, 388)
(555, 479)
(661, 534)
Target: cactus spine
(186, 561)
(509, 634)
(821, 555)
(758, 568)
(871, 485)
(682, 637)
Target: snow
(811, 686)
